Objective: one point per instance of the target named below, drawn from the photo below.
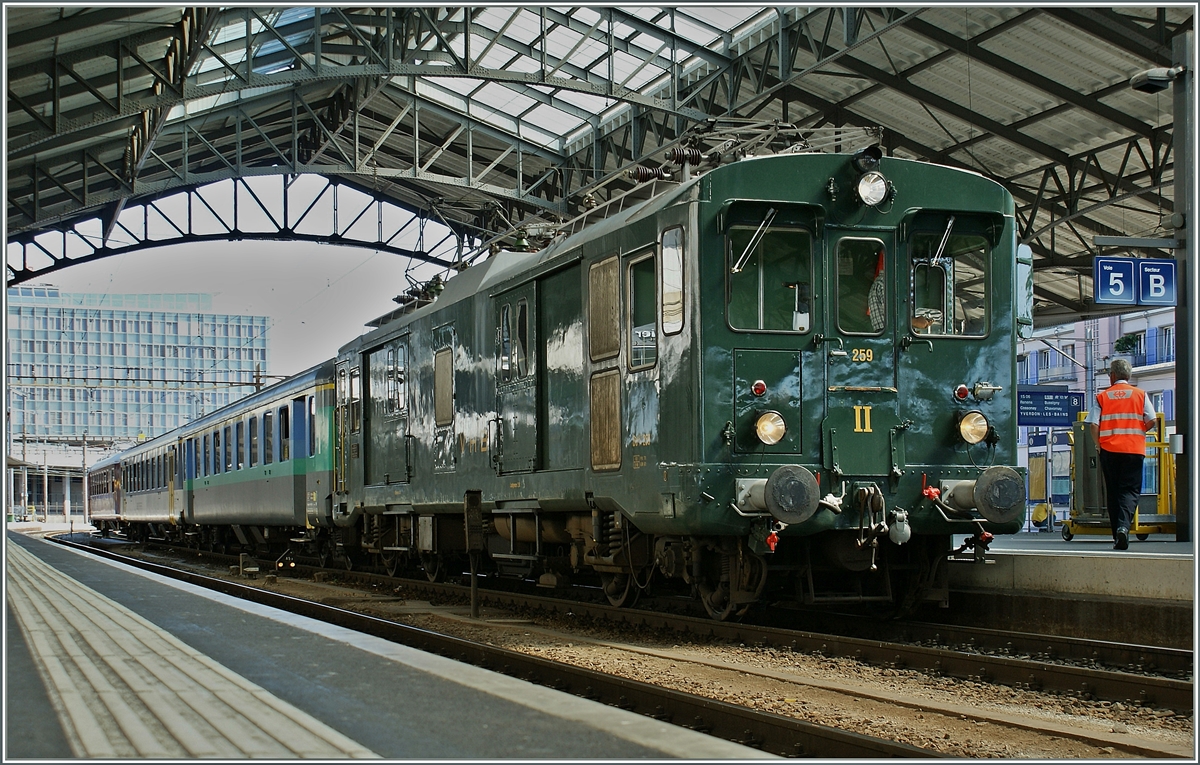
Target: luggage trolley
(1155, 514)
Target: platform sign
(1113, 281)
(1156, 282)
(1053, 409)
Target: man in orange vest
(1119, 420)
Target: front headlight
(770, 428)
(872, 188)
(973, 427)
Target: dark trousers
(1123, 482)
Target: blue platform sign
(1113, 281)
(1053, 409)
(1156, 282)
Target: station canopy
(497, 123)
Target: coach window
(390, 405)
(206, 456)
(268, 438)
(672, 280)
(770, 277)
(240, 443)
(355, 401)
(399, 405)
(861, 286)
(227, 442)
(505, 343)
(443, 387)
(285, 436)
(949, 283)
(521, 346)
(312, 426)
(643, 311)
(254, 440)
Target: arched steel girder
(145, 88)
(309, 208)
(265, 136)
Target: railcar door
(774, 297)
(386, 436)
(341, 432)
(516, 380)
(950, 331)
(861, 394)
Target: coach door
(387, 414)
(861, 394)
(341, 429)
(516, 381)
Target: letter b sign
(1156, 282)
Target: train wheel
(323, 554)
(715, 598)
(713, 585)
(619, 589)
(1143, 537)
(1066, 533)
(435, 571)
(347, 559)
(391, 563)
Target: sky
(318, 297)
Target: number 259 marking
(862, 354)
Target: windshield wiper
(945, 238)
(754, 240)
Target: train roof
(281, 389)
(506, 265)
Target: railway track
(1086, 669)
(776, 734)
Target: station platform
(1040, 583)
(1158, 568)
(105, 661)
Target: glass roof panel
(560, 40)
(439, 89)
(522, 64)
(546, 116)
(526, 29)
(624, 65)
(593, 104)
(587, 16)
(505, 99)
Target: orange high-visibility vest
(1122, 423)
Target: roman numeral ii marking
(862, 419)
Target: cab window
(769, 279)
(949, 283)
(861, 286)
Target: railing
(1057, 373)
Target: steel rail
(945, 659)
(964, 661)
(771, 733)
(1105, 684)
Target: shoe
(1122, 540)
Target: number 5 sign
(1114, 282)
(1134, 281)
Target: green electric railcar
(790, 374)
